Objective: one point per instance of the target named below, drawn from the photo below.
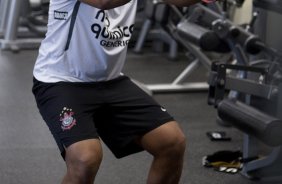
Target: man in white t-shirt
(83, 97)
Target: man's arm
(109, 4)
(105, 4)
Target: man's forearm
(105, 4)
(109, 4)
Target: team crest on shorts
(67, 119)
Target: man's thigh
(129, 114)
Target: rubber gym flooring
(29, 155)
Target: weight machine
(173, 35)
(254, 102)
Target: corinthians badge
(67, 119)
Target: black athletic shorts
(117, 111)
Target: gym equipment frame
(12, 35)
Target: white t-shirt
(83, 43)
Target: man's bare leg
(83, 160)
(167, 144)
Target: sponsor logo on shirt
(59, 15)
(118, 37)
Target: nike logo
(163, 109)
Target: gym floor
(29, 155)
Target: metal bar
(4, 4)
(247, 68)
(170, 88)
(12, 24)
(142, 37)
(27, 43)
(250, 87)
(195, 51)
(186, 72)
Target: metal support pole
(12, 24)
(4, 4)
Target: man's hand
(208, 1)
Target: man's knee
(87, 161)
(84, 158)
(168, 139)
(175, 146)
